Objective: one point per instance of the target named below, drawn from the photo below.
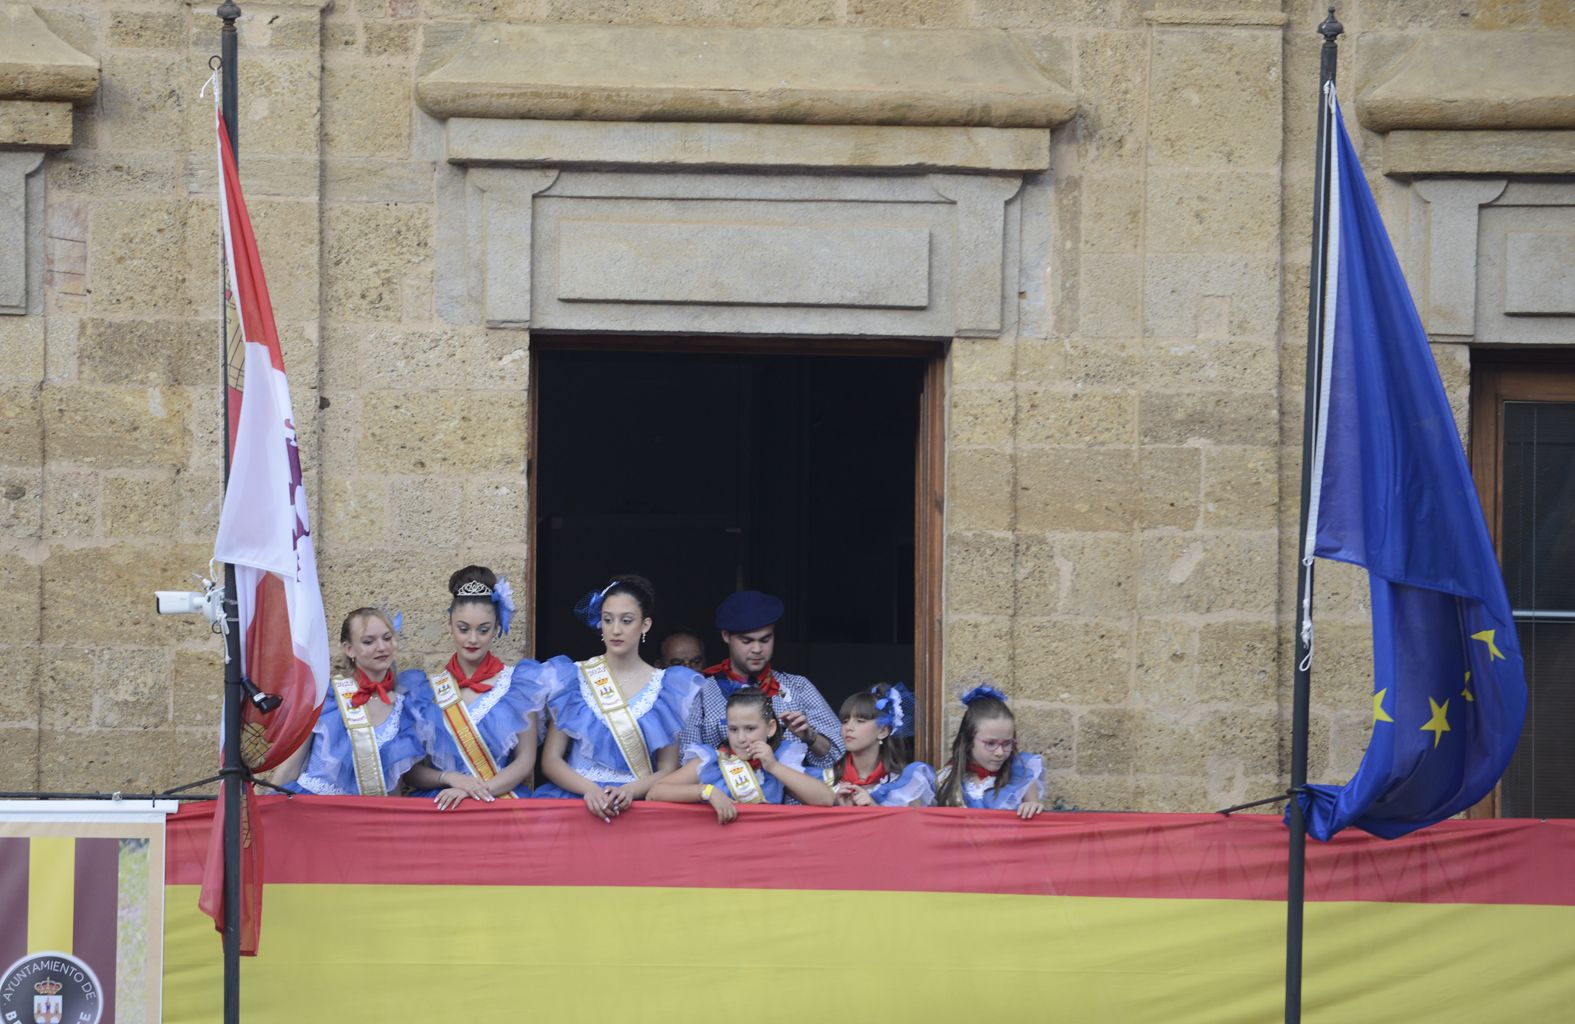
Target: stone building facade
(1097, 210)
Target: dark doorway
(710, 472)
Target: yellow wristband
(705, 792)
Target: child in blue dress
(875, 771)
(615, 718)
(477, 718)
(760, 764)
(986, 769)
(365, 738)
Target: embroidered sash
(740, 779)
(462, 729)
(624, 726)
(363, 743)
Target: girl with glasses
(875, 771)
(986, 769)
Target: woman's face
(622, 624)
(372, 645)
(994, 739)
(746, 724)
(472, 626)
(860, 734)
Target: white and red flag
(265, 534)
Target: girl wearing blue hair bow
(987, 770)
(478, 717)
(615, 718)
(875, 771)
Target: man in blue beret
(748, 622)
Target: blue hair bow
(889, 708)
(399, 620)
(588, 609)
(503, 597)
(982, 691)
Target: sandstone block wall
(1121, 469)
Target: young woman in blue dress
(760, 763)
(615, 717)
(987, 770)
(875, 770)
(478, 717)
(365, 738)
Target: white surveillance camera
(180, 602)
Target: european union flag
(1392, 494)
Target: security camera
(209, 602)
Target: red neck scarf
(851, 774)
(365, 688)
(766, 680)
(727, 751)
(981, 772)
(489, 667)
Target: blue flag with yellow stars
(1392, 494)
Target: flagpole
(234, 770)
(1296, 869)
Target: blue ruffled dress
(500, 715)
(790, 753)
(1027, 772)
(915, 787)
(660, 707)
(330, 767)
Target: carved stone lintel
(1449, 300)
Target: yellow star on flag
(1439, 723)
(1466, 693)
(1486, 636)
(1379, 714)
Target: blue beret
(747, 610)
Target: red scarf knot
(851, 774)
(766, 682)
(489, 667)
(726, 751)
(365, 688)
(981, 772)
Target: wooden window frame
(1499, 376)
(929, 476)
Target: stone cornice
(1477, 81)
(968, 78)
(36, 64)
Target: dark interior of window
(708, 473)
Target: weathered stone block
(978, 573)
(1235, 212)
(978, 650)
(497, 509)
(1188, 296)
(982, 361)
(1170, 482)
(1077, 574)
(122, 579)
(115, 426)
(31, 124)
(421, 433)
(70, 503)
(287, 236)
(1104, 741)
(96, 760)
(73, 682)
(138, 506)
(1205, 573)
(19, 757)
(197, 682)
(137, 258)
(1237, 364)
(1071, 662)
(367, 250)
(133, 688)
(982, 416)
(1167, 794)
(21, 504)
(1048, 732)
(1241, 488)
(1075, 417)
(1215, 105)
(1073, 490)
(145, 30)
(1112, 214)
(19, 697)
(1166, 671)
(1110, 295)
(1092, 792)
(1091, 364)
(1113, 70)
(1238, 662)
(366, 110)
(1216, 417)
(908, 13)
(151, 353)
(980, 492)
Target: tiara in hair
(473, 588)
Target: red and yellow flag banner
(388, 909)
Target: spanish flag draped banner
(385, 909)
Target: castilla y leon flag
(264, 533)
